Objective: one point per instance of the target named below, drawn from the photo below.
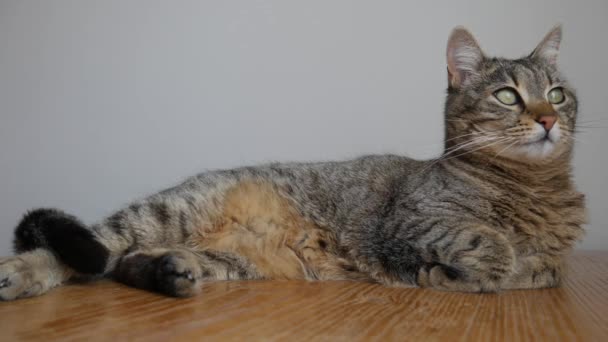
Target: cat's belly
(258, 223)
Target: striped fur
(497, 211)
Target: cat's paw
(487, 259)
(178, 274)
(17, 279)
(445, 278)
(478, 261)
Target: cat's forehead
(523, 73)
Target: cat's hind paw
(17, 279)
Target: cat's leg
(168, 218)
(536, 271)
(30, 274)
(178, 216)
(180, 272)
(50, 243)
(466, 257)
(51, 247)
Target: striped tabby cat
(497, 211)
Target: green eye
(507, 96)
(556, 95)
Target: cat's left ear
(548, 49)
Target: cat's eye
(507, 96)
(556, 96)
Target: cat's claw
(5, 283)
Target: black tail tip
(30, 232)
(64, 235)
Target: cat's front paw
(178, 274)
(478, 261)
(446, 278)
(17, 279)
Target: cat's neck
(555, 173)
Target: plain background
(102, 102)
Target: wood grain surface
(332, 311)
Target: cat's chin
(540, 151)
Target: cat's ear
(464, 56)
(548, 49)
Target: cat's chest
(540, 221)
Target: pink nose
(547, 121)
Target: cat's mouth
(543, 138)
(546, 139)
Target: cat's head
(520, 109)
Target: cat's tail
(71, 241)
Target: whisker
(465, 135)
(583, 126)
(446, 156)
(593, 120)
(506, 148)
(467, 143)
(479, 148)
(444, 141)
(578, 140)
(572, 130)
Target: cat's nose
(547, 121)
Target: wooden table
(291, 310)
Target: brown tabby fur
(497, 211)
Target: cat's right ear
(464, 56)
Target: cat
(497, 211)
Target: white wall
(105, 101)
